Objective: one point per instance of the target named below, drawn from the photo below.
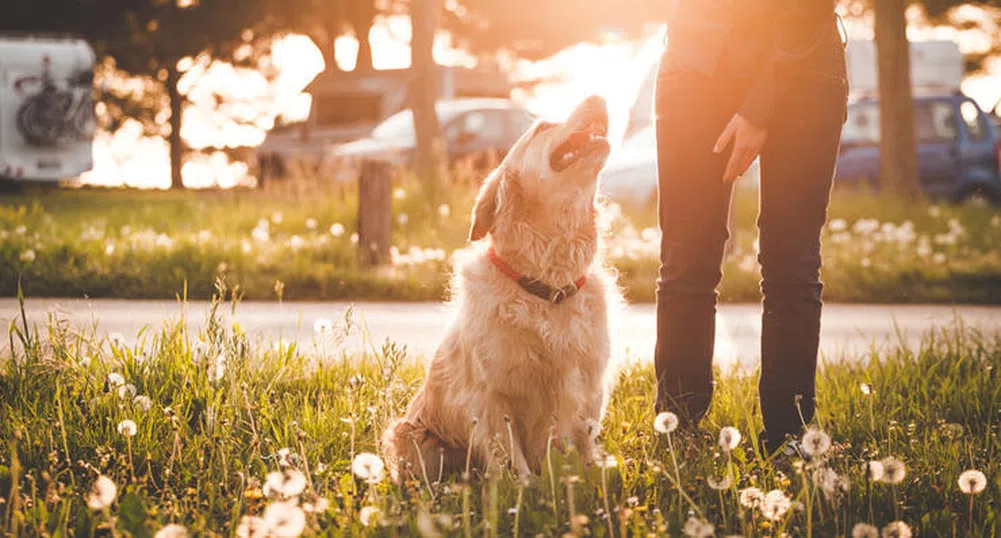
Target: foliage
(202, 429)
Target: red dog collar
(536, 287)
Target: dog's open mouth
(580, 144)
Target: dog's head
(549, 178)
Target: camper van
(46, 107)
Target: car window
(934, 122)
(974, 122)
(481, 125)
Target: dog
(526, 358)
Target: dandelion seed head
(115, 379)
(318, 505)
(775, 505)
(127, 428)
(322, 326)
(28, 256)
(816, 442)
(874, 470)
(144, 402)
(897, 529)
(665, 422)
(444, 211)
(127, 391)
(720, 484)
(116, 339)
(972, 482)
(864, 530)
(368, 516)
(751, 498)
(102, 493)
(606, 461)
(729, 438)
(172, 531)
(697, 528)
(284, 484)
(894, 470)
(284, 519)
(277, 217)
(311, 224)
(866, 389)
(337, 229)
(368, 467)
(252, 527)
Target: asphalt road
(849, 331)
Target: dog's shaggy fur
(514, 369)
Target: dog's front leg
(497, 436)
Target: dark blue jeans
(797, 168)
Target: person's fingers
(740, 161)
(724, 139)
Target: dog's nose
(595, 101)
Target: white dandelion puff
(972, 482)
(277, 217)
(172, 531)
(897, 529)
(318, 505)
(368, 467)
(665, 422)
(28, 256)
(336, 229)
(252, 527)
(866, 389)
(217, 369)
(322, 326)
(127, 428)
(368, 516)
(720, 484)
(875, 472)
(403, 219)
(698, 528)
(399, 193)
(751, 498)
(729, 438)
(816, 442)
(606, 461)
(144, 402)
(102, 493)
(127, 391)
(286, 484)
(444, 211)
(116, 339)
(894, 470)
(311, 224)
(115, 379)
(775, 505)
(864, 530)
(284, 519)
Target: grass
(219, 417)
(126, 244)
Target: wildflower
(368, 467)
(172, 531)
(116, 339)
(665, 422)
(875, 471)
(336, 229)
(444, 211)
(830, 482)
(729, 438)
(144, 402)
(894, 470)
(775, 505)
(285, 457)
(972, 482)
(311, 224)
(218, 369)
(102, 494)
(606, 461)
(28, 256)
(698, 528)
(284, 519)
(720, 484)
(866, 389)
(864, 530)
(252, 527)
(751, 498)
(127, 391)
(897, 529)
(285, 484)
(316, 506)
(368, 516)
(322, 326)
(815, 442)
(127, 428)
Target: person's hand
(748, 140)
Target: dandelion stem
(517, 509)
(604, 497)
(552, 477)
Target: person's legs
(692, 111)
(797, 169)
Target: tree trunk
(423, 87)
(375, 212)
(898, 146)
(176, 115)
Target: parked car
(958, 148)
(470, 127)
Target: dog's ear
(485, 209)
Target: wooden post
(375, 212)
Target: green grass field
(224, 436)
(129, 244)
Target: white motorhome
(46, 107)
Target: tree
(423, 88)
(898, 145)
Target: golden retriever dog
(526, 358)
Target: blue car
(959, 148)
